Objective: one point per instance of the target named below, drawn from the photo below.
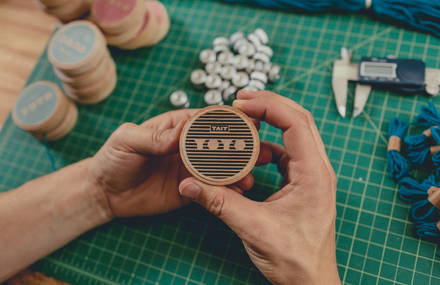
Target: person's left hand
(139, 168)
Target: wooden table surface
(24, 31)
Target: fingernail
(238, 103)
(190, 190)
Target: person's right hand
(290, 236)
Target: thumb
(237, 211)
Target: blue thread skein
(424, 211)
(412, 190)
(428, 231)
(422, 156)
(398, 165)
(428, 116)
(421, 141)
(419, 14)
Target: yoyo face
(219, 145)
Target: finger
(246, 95)
(279, 157)
(265, 155)
(246, 183)
(237, 189)
(237, 211)
(257, 123)
(135, 138)
(298, 138)
(169, 119)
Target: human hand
(139, 168)
(290, 236)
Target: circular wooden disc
(70, 10)
(90, 77)
(219, 145)
(117, 16)
(98, 97)
(77, 47)
(127, 35)
(40, 107)
(53, 3)
(64, 127)
(162, 18)
(96, 87)
(147, 34)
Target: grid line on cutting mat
(375, 242)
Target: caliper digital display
(378, 69)
(407, 75)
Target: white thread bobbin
(368, 4)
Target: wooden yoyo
(219, 145)
(44, 111)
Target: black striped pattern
(221, 163)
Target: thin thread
(49, 153)
(421, 14)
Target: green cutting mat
(375, 243)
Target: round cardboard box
(219, 145)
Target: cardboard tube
(434, 149)
(434, 198)
(432, 189)
(394, 143)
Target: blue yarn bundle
(398, 165)
(428, 116)
(421, 156)
(424, 210)
(420, 150)
(419, 14)
(421, 141)
(429, 231)
(411, 190)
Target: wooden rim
(87, 78)
(122, 25)
(101, 96)
(96, 87)
(69, 10)
(52, 3)
(163, 24)
(209, 159)
(66, 125)
(54, 119)
(147, 34)
(72, 69)
(127, 35)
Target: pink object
(158, 11)
(107, 11)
